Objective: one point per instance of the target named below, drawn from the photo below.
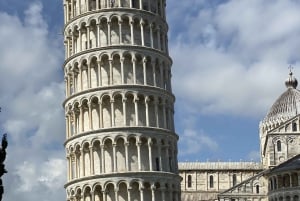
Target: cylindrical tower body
(119, 107)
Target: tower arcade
(119, 107)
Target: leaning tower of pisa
(119, 107)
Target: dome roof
(287, 105)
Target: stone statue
(2, 159)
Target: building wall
(205, 181)
(280, 141)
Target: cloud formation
(32, 92)
(232, 57)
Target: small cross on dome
(291, 68)
(291, 82)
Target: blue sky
(230, 62)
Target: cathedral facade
(120, 139)
(275, 178)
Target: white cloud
(232, 57)
(193, 142)
(32, 115)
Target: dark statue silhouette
(2, 159)
(2, 166)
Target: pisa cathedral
(275, 178)
(121, 143)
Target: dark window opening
(189, 181)
(234, 180)
(257, 189)
(294, 127)
(211, 181)
(278, 145)
(157, 164)
(134, 4)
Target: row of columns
(285, 181)
(241, 198)
(72, 8)
(74, 79)
(284, 197)
(72, 47)
(75, 118)
(161, 162)
(172, 194)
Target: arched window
(211, 181)
(257, 189)
(234, 180)
(271, 185)
(278, 145)
(189, 181)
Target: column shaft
(120, 33)
(136, 112)
(100, 115)
(114, 158)
(156, 113)
(92, 160)
(80, 40)
(124, 112)
(139, 155)
(109, 33)
(150, 156)
(134, 70)
(90, 117)
(82, 163)
(99, 74)
(131, 32)
(110, 72)
(122, 70)
(88, 37)
(154, 73)
(112, 104)
(147, 110)
(102, 160)
(145, 71)
(82, 118)
(142, 34)
(126, 156)
(142, 194)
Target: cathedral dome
(287, 105)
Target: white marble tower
(119, 107)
